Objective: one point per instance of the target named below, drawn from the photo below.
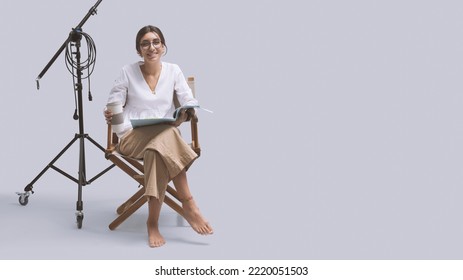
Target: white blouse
(131, 89)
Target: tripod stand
(74, 40)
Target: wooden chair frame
(134, 168)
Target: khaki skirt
(163, 151)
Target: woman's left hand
(183, 116)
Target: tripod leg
(103, 150)
(95, 143)
(23, 197)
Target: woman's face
(151, 47)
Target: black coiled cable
(87, 64)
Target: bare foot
(155, 238)
(194, 217)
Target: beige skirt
(163, 151)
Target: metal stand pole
(74, 38)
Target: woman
(147, 89)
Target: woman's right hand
(108, 116)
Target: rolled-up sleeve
(120, 88)
(183, 91)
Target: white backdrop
(335, 135)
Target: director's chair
(134, 168)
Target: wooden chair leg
(174, 205)
(173, 192)
(121, 209)
(137, 200)
(127, 213)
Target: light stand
(74, 40)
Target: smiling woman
(151, 45)
(147, 89)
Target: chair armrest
(112, 140)
(194, 134)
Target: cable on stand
(76, 67)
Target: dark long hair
(147, 29)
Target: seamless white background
(336, 132)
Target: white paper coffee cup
(117, 122)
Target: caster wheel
(23, 200)
(80, 218)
